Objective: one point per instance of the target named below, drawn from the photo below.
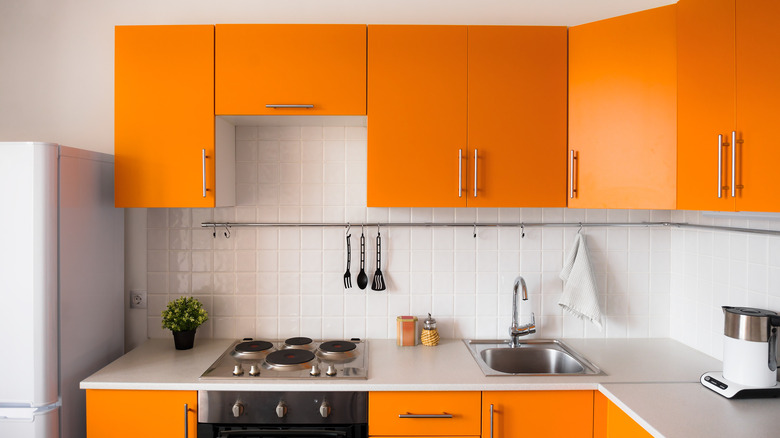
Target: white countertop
(446, 367)
(685, 410)
(654, 380)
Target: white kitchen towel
(580, 294)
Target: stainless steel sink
(531, 357)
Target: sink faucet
(516, 330)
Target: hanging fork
(347, 275)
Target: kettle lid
(748, 311)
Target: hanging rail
(522, 225)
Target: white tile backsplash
(279, 282)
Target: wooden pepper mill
(429, 336)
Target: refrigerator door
(91, 278)
(28, 273)
(30, 422)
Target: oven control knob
(325, 409)
(331, 370)
(254, 370)
(315, 370)
(238, 370)
(281, 409)
(238, 409)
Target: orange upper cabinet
(508, 414)
(516, 116)
(164, 128)
(706, 103)
(290, 69)
(758, 94)
(417, 114)
(623, 111)
(729, 61)
(466, 116)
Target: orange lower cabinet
(623, 112)
(537, 413)
(611, 422)
(126, 413)
(413, 413)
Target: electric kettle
(750, 346)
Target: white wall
(283, 282)
(56, 83)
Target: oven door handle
(259, 432)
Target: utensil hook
(579, 230)
(522, 231)
(348, 228)
(227, 231)
(377, 230)
(214, 234)
(475, 230)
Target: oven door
(300, 431)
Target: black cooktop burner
(289, 357)
(337, 346)
(298, 341)
(253, 346)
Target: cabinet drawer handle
(733, 164)
(475, 173)
(720, 166)
(408, 415)
(572, 159)
(460, 173)
(203, 162)
(491, 421)
(282, 105)
(186, 420)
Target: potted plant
(183, 316)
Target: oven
(256, 414)
(298, 414)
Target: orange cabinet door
(758, 93)
(164, 116)
(706, 101)
(611, 422)
(516, 116)
(623, 111)
(408, 413)
(508, 414)
(322, 65)
(125, 413)
(417, 111)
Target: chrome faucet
(516, 330)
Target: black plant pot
(184, 340)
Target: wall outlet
(138, 299)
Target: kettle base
(715, 381)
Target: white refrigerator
(61, 285)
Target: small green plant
(184, 314)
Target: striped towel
(580, 294)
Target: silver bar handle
(491, 421)
(720, 166)
(186, 420)
(203, 162)
(460, 173)
(733, 164)
(284, 105)
(572, 158)
(408, 415)
(475, 173)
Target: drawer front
(415, 413)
